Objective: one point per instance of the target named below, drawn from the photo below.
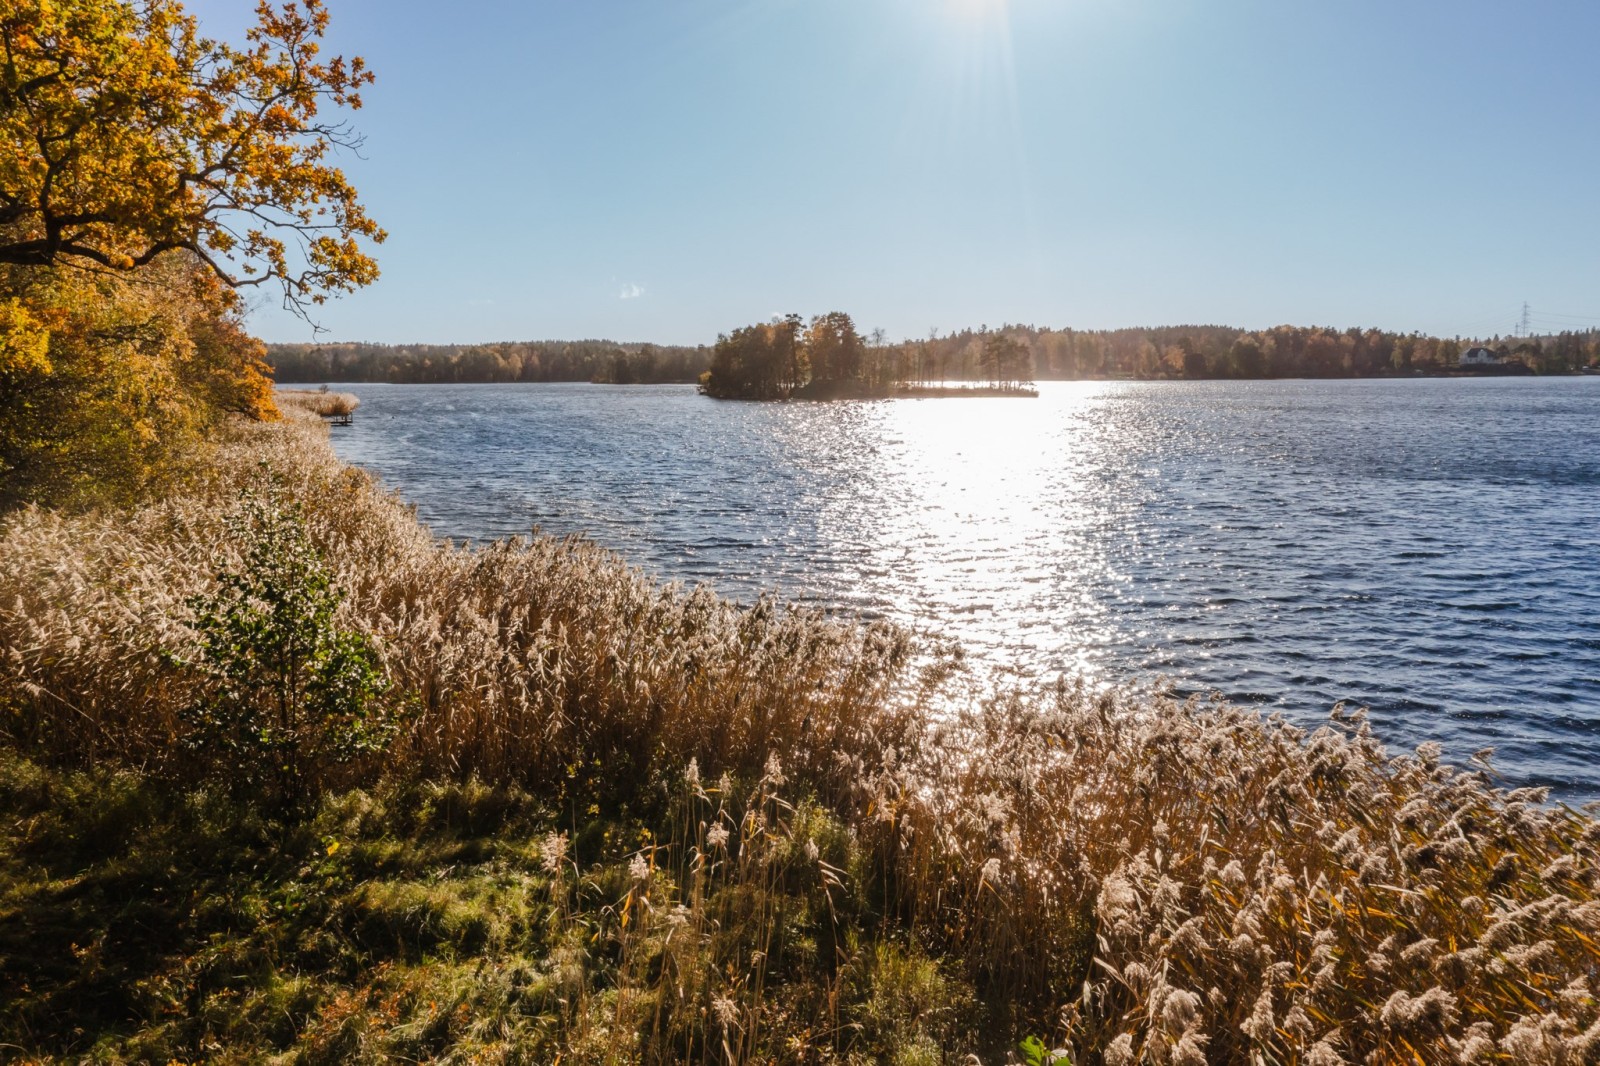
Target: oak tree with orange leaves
(124, 135)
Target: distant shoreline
(926, 391)
(785, 363)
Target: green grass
(139, 922)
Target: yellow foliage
(24, 341)
(125, 135)
(139, 368)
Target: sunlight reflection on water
(1427, 548)
(970, 521)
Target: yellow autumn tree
(24, 341)
(147, 175)
(124, 135)
(111, 384)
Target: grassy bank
(617, 821)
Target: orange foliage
(125, 135)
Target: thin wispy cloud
(631, 292)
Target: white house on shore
(1480, 357)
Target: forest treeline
(1227, 352)
(429, 364)
(776, 357)
(1014, 353)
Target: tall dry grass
(548, 663)
(1187, 883)
(321, 402)
(1137, 879)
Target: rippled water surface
(1427, 548)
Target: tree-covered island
(827, 359)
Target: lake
(1427, 548)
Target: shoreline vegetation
(1162, 353)
(336, 406)
(603, 819)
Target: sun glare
(976, 9)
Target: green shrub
(290, 692)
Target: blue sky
(669, 169)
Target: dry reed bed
(320, 403)
(532, 663)
(1142, 880)
(1191, 884)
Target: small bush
(290, 691)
